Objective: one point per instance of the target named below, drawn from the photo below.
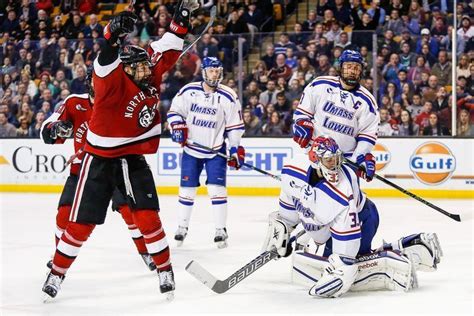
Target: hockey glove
(179, 133)
(337, 278)
(302, 132)
(237, 155)
(180, 23)
(366, 169)
(61, 129)
(119, 27)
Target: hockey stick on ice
(228, 158)
(455, 217)
(209, 24)
(222, 286)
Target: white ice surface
(109, 278)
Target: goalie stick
(455, 217)
(211, 21)
(222, 286)
(218, 153)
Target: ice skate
(149, 262)
(180, 234)
(167, 284)
(221, 238)
(51, 286)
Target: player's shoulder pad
(325, 81)
(297, 167)
(196, 86)
(335, 194)
(227, 92)
(72, 98)
(369, 99)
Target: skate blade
(221, 244)
(179, 243)
(169, 296)
(46, 298)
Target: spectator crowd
(46, 47)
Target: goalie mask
(326, 157)
(136, 64)
(212, 71)
(351, 66)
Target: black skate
(52, 285)
(167, 284)
(149, 262)
(221, 237)
(180, 235)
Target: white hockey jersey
(210, 117)
(351, 118)
(325, 210)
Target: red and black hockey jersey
(126, 119)
(76, 109)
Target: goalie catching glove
(337, 278)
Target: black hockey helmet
(132, 54)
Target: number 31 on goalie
(354, 219)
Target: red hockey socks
(69, 245)
(62, 218)
(133, 229)
(149, 223)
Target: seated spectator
(344, 42)
(250, 90)
(275, 126)
(291, 60)
(283, 44)
(93, 25)
(281, 84)
(407, 127)
(323, 66)
(280, 70)
(304, 68)
(439, 30)
(22, 130)
(45, 95)
(407, 58)
(394, 23)
(390, 71)
(463, 67)
(73, 26)
(389, 41)
(416, 13)
(252, 124)
(310, 23)
(408, 38)
(374, 5)
(466, 31)
(426, 39)
(464, 126)
(269, 57)
(259, 74)
(257, 108)
(398, 5)
(429, 92)
(269, 96)
(342, 12)
(312, 54)
(298, 37)
(441, 101)
(410, 25)
(206, 48)
(385, 128)
(434, 127)
(422, 119)
(333, 33)
(323, 48)
(317, 35)
(442, 69)
(11, 24)
(282, 105)
(6, 129)
(295, 90)
(35, 128)
(25, 112)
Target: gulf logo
(432, 163)
(382, 156)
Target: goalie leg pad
(385, 270)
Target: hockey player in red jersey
(71, 119)
(125, 125)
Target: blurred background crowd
(47, 45)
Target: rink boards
(440, 167)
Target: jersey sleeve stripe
(304, 111)
(198, 88)
(347, 232)
(365, 139)
(287, 206)
(103, 71)
(293, 173)
(236, 125)
(368, 136)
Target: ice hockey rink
(109, 278)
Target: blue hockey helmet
(326, 157)
(212, 80)
(351, 77)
